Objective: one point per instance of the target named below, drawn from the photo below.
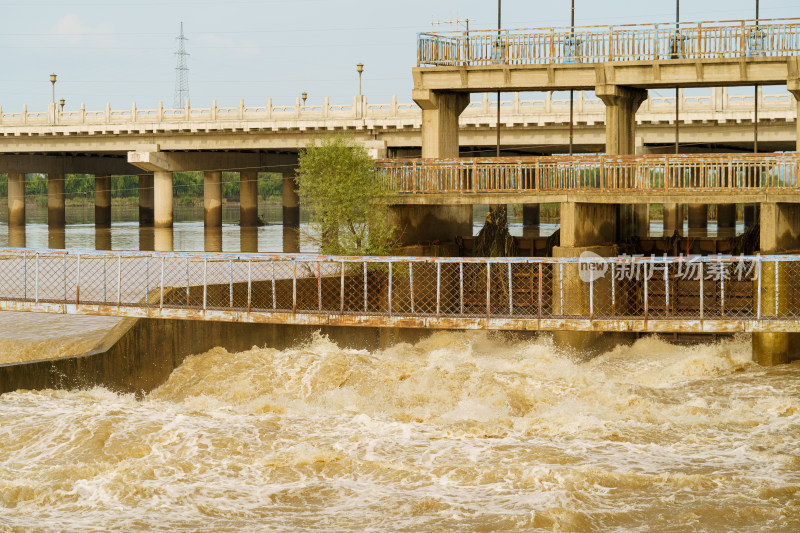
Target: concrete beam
(707, 72)
(152, 160)
(57, 164)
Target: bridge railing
(596, 44)
(661, 173)
(661, 106)
(509, 293)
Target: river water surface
(466, 432)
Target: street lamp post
(61, 103)
(53, 83)
(304, 96)
(360, 69)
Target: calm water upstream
(464, 432)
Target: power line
(181, 73)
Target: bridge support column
(248, 198)
(291, 215)
(793, 84)
(146, 201)
(102, 201)
(634, 221)
(212, 199)
(162, 200)
(248, 239)
(102, 238)
(424, 224)
(16, 199)
(780, 232)
(530, 220)
(584, 228)
(56, 211)
(726, 220)
(698, 220)
(673, 219)
(621, 105)
(751, 215)
(440, 112)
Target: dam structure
(584, 286)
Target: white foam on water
(460, 431)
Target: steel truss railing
(596, 44)
(710, 294)
(661, 173)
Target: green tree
(346, 197)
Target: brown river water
(459, 432)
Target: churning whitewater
(470, 432)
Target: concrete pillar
(16, 236)
(162, 238)
(102, 202)
(162, 199)
(146, 200)
(780, 231)
(750, 215)
(56, 237)
(584, 227)
(424, 224)
(56, 211)
(621, 105)
(248, 198)
(16, 199)
(440, 112)
(726, 220)
(793, 85)
(673, 219)
(248, 239)
(146, 239)
(634, 221)
(291, 215)
(212, 238)
(698, 220)
(530, 220)
(212, 200)
(102, 238)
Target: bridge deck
(709, 294)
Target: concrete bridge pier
(673, 219)
(634, 221)
(16, 199)
(440, 112)
(530, 220)
(291, 214)
(621, 106)
(212, 238)
(751, 215)
(248, 198)
(426, 224)
(102, 238)
(212, 199)
(584, 228)
(726, 220)
(102, 202)
(780, 232)
(56, 210)
(163, 239)
(698, 220)
(146, 202)
(162, 199)
(248, 239)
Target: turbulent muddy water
(465, 432)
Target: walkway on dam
(634, 294)
(710, 178)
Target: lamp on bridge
(304, 96)
(62, 102)
(360, 69)
(53, 83)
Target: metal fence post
(777, 288)
(758, 293)
(461, 287)
(78, 282)
(161, 285)
(341, 290)
(274, 295)
(411, 285)
(365, 286)
(390, 288)
(119, 280)
(294, 285)
(24, 275)
(702, 291)
(230, 274)
(36, 287)
(488, 288)
(147, 280)
(205, 283)
(438, 288)
(319, 286)
(249, 283)
(64, 274)
(510, 293)
(187, 283)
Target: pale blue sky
(124, 50)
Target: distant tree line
(184, 185)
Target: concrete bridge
(718, 120)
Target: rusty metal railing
(596, 44)
(710, 294)
(658, 173)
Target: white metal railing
(718, 293)
(719, 101)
